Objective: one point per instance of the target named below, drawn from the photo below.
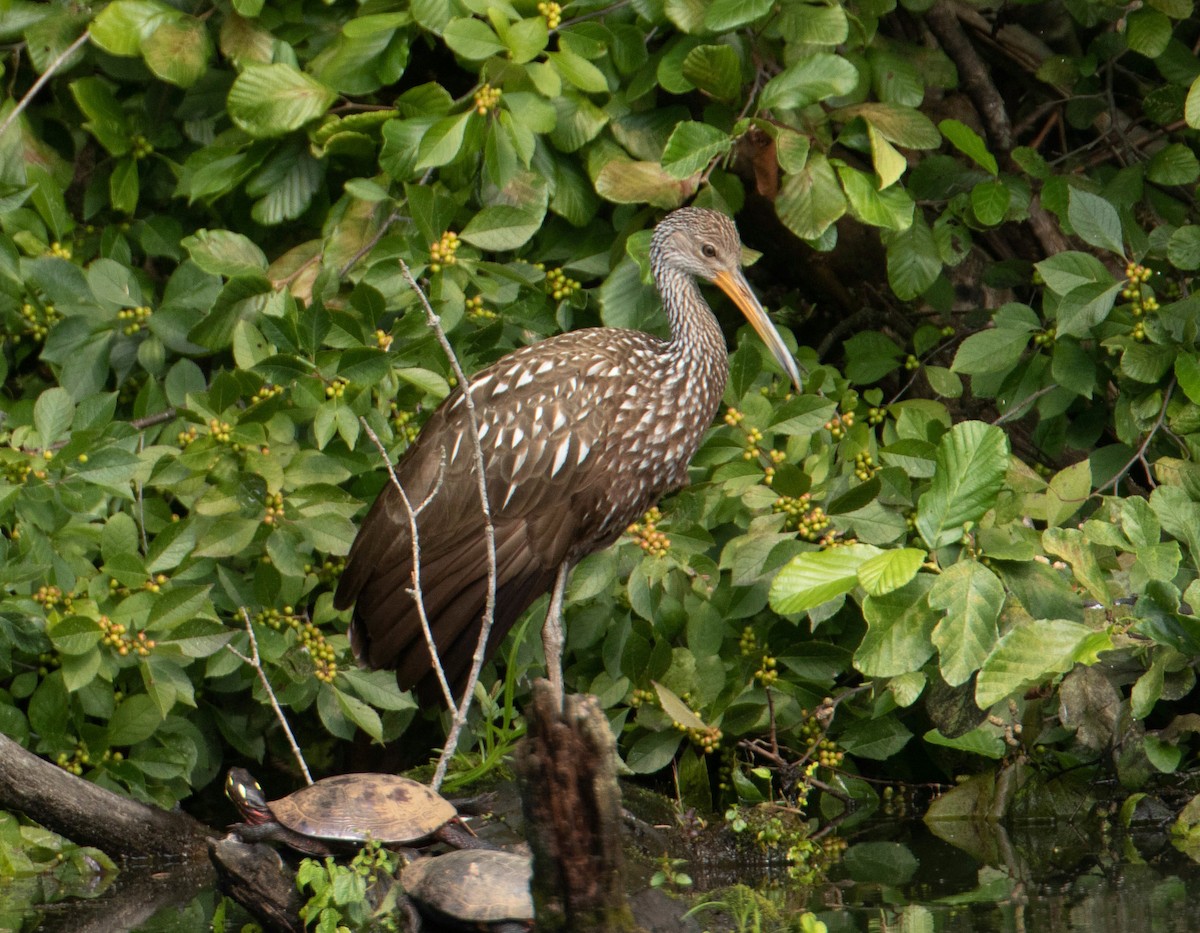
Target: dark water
(892, 876)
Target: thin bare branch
(255, 661)
(417, 592)
(42, 79)
(489, 531)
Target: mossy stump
(567, 770)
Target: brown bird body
(580, 434)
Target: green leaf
(1085, 307)
(714, 69)
(970, 144)
(971, 597)
(815, 577)
(877, 739)
(178, 51)
(990, 200)
(121, 26)
(1183, 248)
(135, 719)
(578, 71)
(52, 414)
(691, 147)
(638, 183)
(891, 209)
(1187, 371)
(272, 100)
(1147, 32)
(972, 459)
(654, 751)
(727, 15)
(106, 119)
(913, 262)
(1030, 653)
(890, 570)
(898, 628)
(1191, 106)
(1065, 272)
(223, 252)
(810, 79)
(500, 228)
(442, 142)
(810, 201)
(1095, 220)
(75, 635)
(473, 39)
(674, 707)
(1174, 164)
(990, 351)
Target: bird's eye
(709, 250)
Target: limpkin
(581, 433)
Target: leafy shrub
(201, 227)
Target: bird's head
(705, 244)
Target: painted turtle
(342, 812)
(473, 890)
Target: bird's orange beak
(734, 285)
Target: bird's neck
(697, 346)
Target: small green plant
(339, 893)
(670, 874)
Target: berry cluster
(911, 363)
(312, 639)
(1045, 338)
(221, 431)
(641, 697)
(558, 284)
(875, 415)
(487, 99)
(865, 466)
(188, 436)
(553, 13)
(268, 390)
(442, 253)
(839, 424)
(753, 438)
(19, 471)
(39, 320)
(383, 339)
(403, 424)
(808, 520)
(274, 508)
(140, 146)
(477, 311)
(60, 250)
(646, 533)
(337, 388)
(767, 674)
(117, 636)
(748, 642)
(51, 597)
(134, 318)
(734, 417)
(708, 738)
(328, 570)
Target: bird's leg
(552, 634)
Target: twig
(417, 592)
(942, 21)
(489, 531)
(255, 661)
(42, 79)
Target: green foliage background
(988, 506)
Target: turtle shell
(357, 807)
(475, 886)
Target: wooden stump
(567, 769)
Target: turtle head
(247, 795)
